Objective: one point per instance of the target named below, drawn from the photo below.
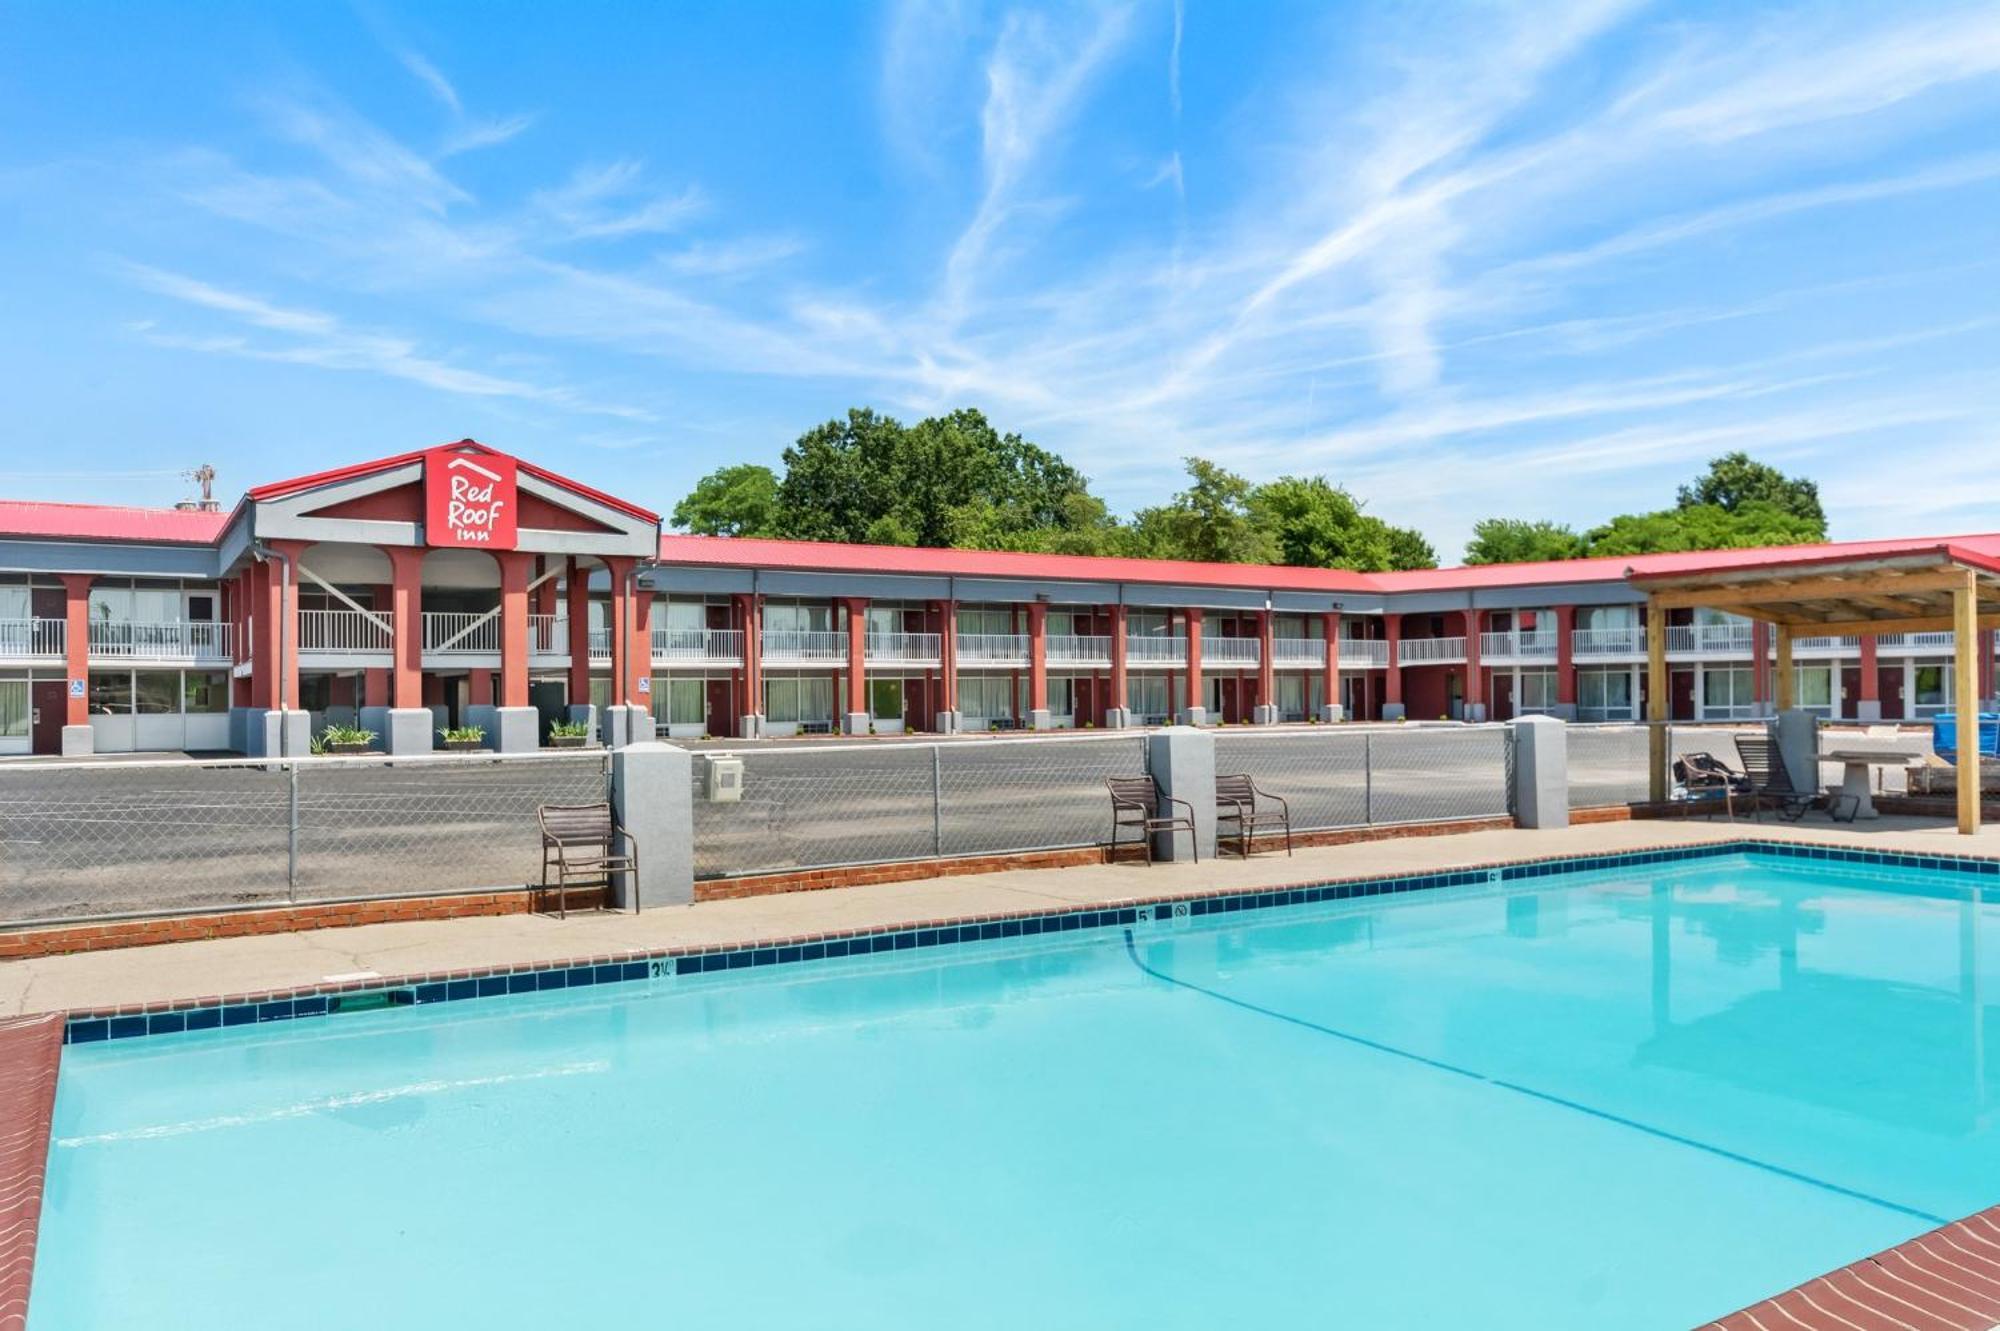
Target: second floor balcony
(1364, 652)
(1224, 652)
(1155, 650)
(804, 647)
(1537, 645)
(722, 647)
(33, 639)
(903, 649)
(164, 640)
(1430, 651)
(1296, 652)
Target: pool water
(1634, 1098)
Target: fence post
(652, 792)
(1541, 772)
(1182, 760)
(937, 800)
(292, 840)
(1367, 780)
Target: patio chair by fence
(1705, 775)
(1136, 803)
(1771, 781)
(1239, 802)
(580, 842)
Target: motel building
(461, 586)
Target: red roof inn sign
(469, 500)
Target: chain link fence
(834, 805)
(1608, 763)
(105, 839)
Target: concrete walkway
(280, 961)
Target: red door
(1681, 693)
(1503, 695)
(50, 704)
(721, 707)
(1889, 680)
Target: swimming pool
(1636, 1097)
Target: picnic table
(1855, 782)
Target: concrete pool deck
(178, 972)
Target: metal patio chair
(1238, 801)
(1136, 803)
(580, 842)
(1771, 781)
(1702, 773)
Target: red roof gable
(297, 484)
(109, 522)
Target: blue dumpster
(1944, 733)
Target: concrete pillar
(1541, 772)
(1392, 681)
(1763, 686)
(652, 794)
(857, 721)
(1868, 700)
(1266, 711)
(1182, 762)
(1195, 713)
(1797, 734)
(1039, 716)
(1118, 715)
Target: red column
(743, 608)
(1392, 682)
(1121, 696)
(639, 664)
(1038, 657)
(1475, 682)
(1195, 691)
(76, 647)
(479, 688)
(947, 616)
(576, 584)
(1330, 684)
(857, 655)
(1267, 666)
(515, 570)
(619, 568)
(282, 600)
(1762, 671)
(1871, 675)
(406, 618)
(1565, 655)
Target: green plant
(316, 745)
(566, 730)
(462, 734)
(339, 734)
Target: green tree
(1519, 541)
(1703, 527)
(731, 501)
(1210, 521)
(1736, 481)
(1314, 523)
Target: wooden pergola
(1914, 589)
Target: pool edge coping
(30, 1063)
(423, 988)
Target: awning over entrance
(1914, 589)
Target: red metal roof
(829, 556)
(108, 522)
(297, 484)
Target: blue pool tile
(490, 985)
(609, 973)
(239, 1014)
(124, 1028)
(521, 982)
(738, 960)
(204, 1018)
(636, 970)
(459, 989)
(88, 1032)
(276, 1010)
(166, 1023)
(313, 1006)
(431, 993)
(766, 956)
(551, 979)
(579, 977)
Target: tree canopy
(1737, 503)
(954, 480)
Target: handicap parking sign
(76, 688)
(645, 684)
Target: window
(797, 617)
(13, 708)
(110, 600)
(157, 603)
(1604, 695)
(207, 691)
(985, 620)
(680, 615)
(1728, 694)
(1147, 624)
(158, 691)
(600, 693)
(1608, 617)
(15, 602)
(986, 697)
(885, 699)
(1537, 692)
(790, 698)
(680, 702)
(1812, 689)
(1062, 695)
(1292, 697)
(1148, 696)
(1931, 685)
(110, 693)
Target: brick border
(1945, 1280)
(30, 1057)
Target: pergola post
(1965, 699)
(1786, 690)
(1656, 699)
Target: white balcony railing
(1146, 649)
(159, 640)
(548, 635)
(1364, 652)
(341, 631)
(1079, 649)
(1430, 651)
(461, 633)
(1824, 646)
(793, 645)
(1230, 651)
(600, 644)
(993, 649)
(718, 646)
(903, 647)
(39, 638)
(1539, 645)
(1298, 652)
(1708, 639)
(1627, 641)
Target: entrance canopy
(1891, 589)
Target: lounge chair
(580, 842)
(1700, 774)
(1136, 802)
(1238, 801)
(1771, 781)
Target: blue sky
(1485, 258)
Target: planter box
(464, 746)
(351, 750)
(569, 742)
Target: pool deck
(173, 972)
